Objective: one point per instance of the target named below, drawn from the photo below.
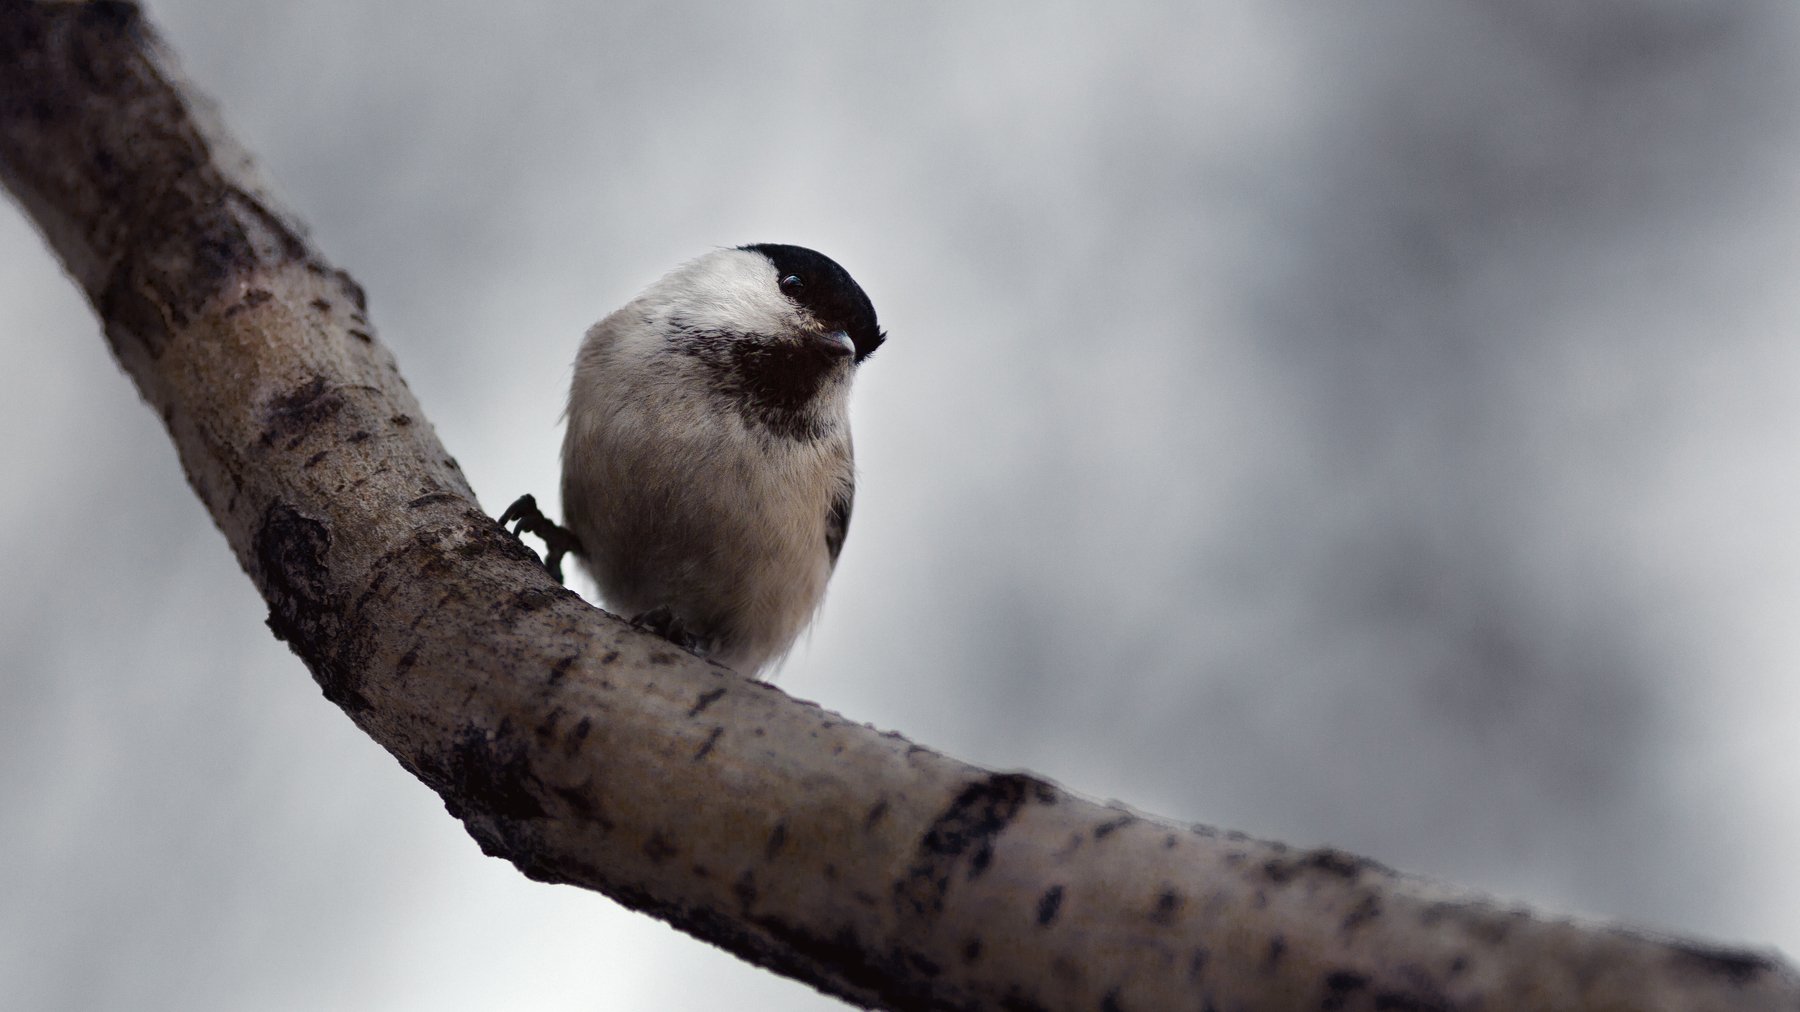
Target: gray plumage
(707, 466)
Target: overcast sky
(1369, 425)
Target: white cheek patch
(733, 291)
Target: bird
(708, 468)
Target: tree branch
(590, 753)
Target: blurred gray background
(1359, 424)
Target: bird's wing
(837, 521)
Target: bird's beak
(838, 343)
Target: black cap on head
(816, 282)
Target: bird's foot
(526, 518)
(663, 622)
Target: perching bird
(707, 470)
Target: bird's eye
(792, 283)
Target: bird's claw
(524, 517)
(663, 622)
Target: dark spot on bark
(609, 657)
(292, 416)
(1048, 905)
(289, 245)
(706, 746)
(1735, 965)
(1348, 866)
(777, 840)
(1365, 911)
(1169, 842)
(662, 658)
(401, 419)
(1110, 1002)
(250, 300)
(561, 668)
(322, 305)
(362, 335)
(1196, 964)
(876, 813)
(430, 497)
(354, 291)
(922, 964)
(1325, 861)
(359, 435)
(744, 889)
(547, 727)
(1105, 829)
(966, 828)
(406, 661)
(971, 950)
(1167, 906)
(658, 848)
(585, 807)
(132, 315)
(290, 552)
(1277, 949)
(572, 742)
(1339, 986)
(313, 461)
(1398, 1001)
(1459, 965)
(485, 780)
(984, 855)
(706, 699)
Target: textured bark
(587, 752)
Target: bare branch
(590, 753)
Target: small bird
(707, 466)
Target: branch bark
(589, 753)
